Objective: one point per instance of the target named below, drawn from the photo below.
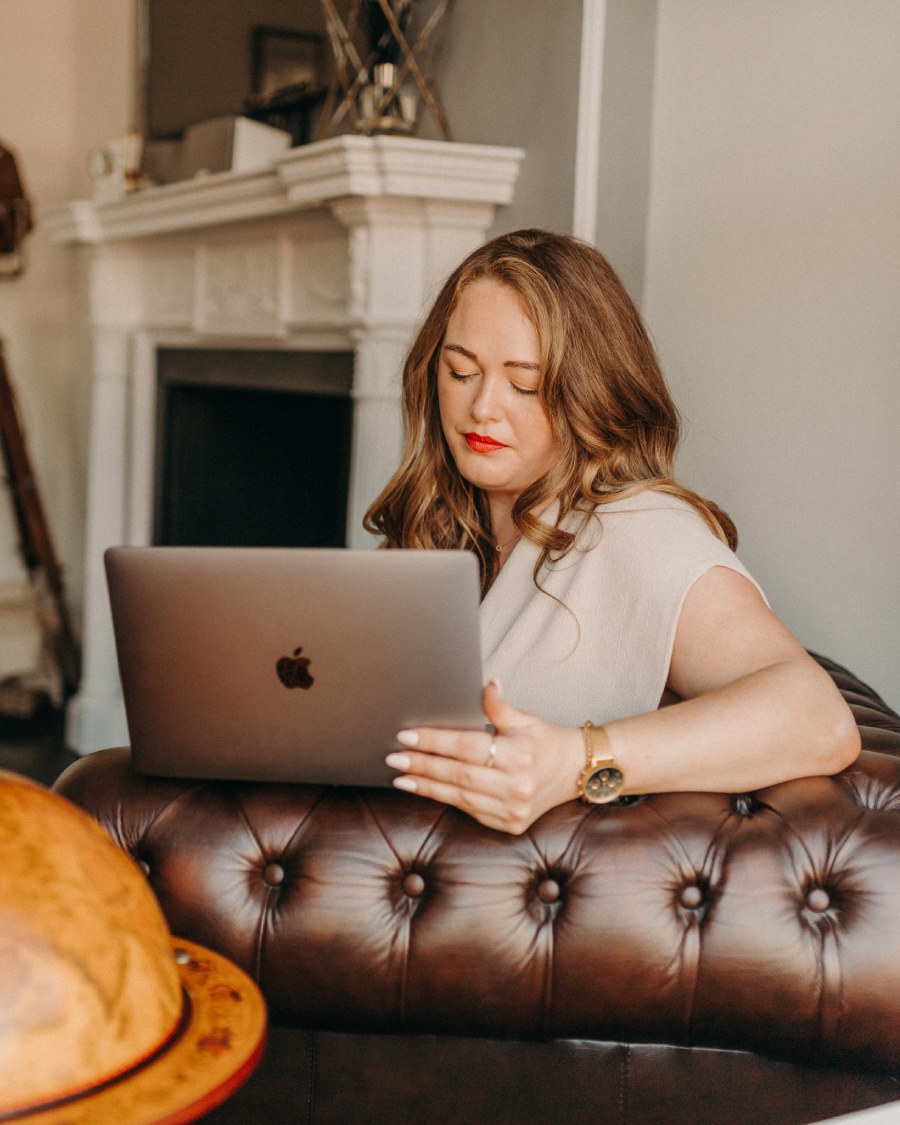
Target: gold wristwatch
(601, 779)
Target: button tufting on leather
(273, 873)
(818, 899)
(744, 804)
(691, 897)
(413, 884)
(548, 890)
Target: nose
(486, 403)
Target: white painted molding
(307, 176)
(587, 139)
(399, 166)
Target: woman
(636, 653)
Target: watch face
(603, 785)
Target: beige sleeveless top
(605, 652)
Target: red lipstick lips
(478, 443)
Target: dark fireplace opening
(253, 448)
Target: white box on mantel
(230, 144)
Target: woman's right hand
(505, 781)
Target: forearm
(779, 722)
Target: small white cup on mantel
(115, 167)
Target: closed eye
(462, 376)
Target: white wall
(773, 293)
(66, 75)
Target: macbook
(291, 664)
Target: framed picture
(283, 58)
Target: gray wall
(773, 290)
(626, 128)
(508, 75)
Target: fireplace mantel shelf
(307, 176)
(339, 246)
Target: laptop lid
(291, 664)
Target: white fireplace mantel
(339, 245)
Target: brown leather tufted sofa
(690, 958)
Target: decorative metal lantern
(383, 67)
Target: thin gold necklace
(501, 547)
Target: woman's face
(488, 374)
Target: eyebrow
(525, 364)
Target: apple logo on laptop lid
(293, 671)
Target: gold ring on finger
(492, 754)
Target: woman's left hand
(505, 781)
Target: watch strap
(601, 779)
(596, 745)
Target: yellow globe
(89, 987)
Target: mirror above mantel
(208, 58)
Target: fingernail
(398, 761)
(406, 783)
(496, 684)
(408, 738)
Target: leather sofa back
(767, 922)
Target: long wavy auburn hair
(614, 421)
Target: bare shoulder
(726, 630)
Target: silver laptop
(297, 664)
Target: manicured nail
(406, 783)
(408, 738)
(398, 761)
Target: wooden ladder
(36, 543)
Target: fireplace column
(113, 304)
